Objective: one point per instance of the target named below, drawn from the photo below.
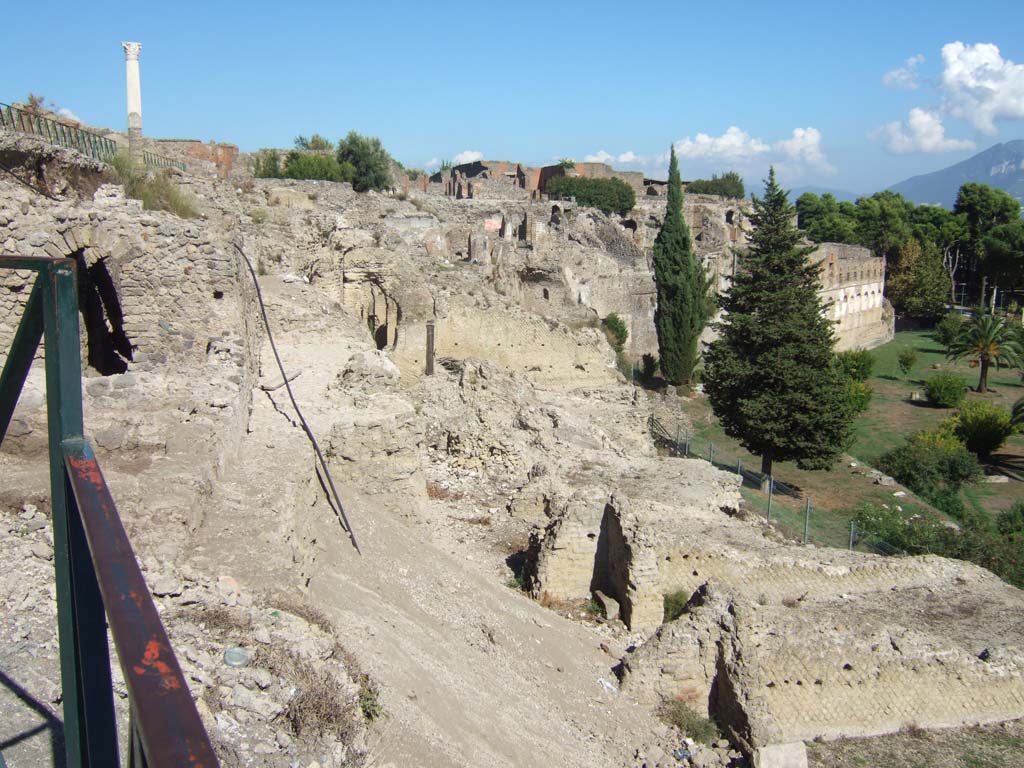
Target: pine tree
(682, 288)
(770, 376)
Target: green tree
(991, 341)
(769, 376)
(985, 208)
(1004, 249)
(883, 222)
(607, 195)
(682, 288)
(826, 220)
(916, 285)
(370, 160)
(727, 185)
(315, 143)
(907, 359)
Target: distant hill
(839, 194)
(1001, 166)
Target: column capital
(131, 50)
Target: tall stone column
(131, 60)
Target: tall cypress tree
(770, 376)
(682, 288)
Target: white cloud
(981, 86)
(432, 163)
(68, 114)
(804, 147)
(923, 132)
(607, 157)
(904, 78)
(734, 144)
(467, 156)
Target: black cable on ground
(34, 188)
(295, 405)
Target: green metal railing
(98, 580)
(87, 142)
(153, 160)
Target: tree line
(929, 249)
(357, 159)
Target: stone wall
(853, 288)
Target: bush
(267, 164)
(607, 195)
(616, 331)
(370, 161)
(982, 427)
(155, 189)
(727, 185)
(1011, 522)
(945, 390)
(948, 328)
(650, 366)
(858, 394)
(683, 716)
(856, 364)
(302, 165)
(934, 465)
(675, 605)
(914, 533)
(907, 359)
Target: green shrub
(616, 331)
(650, 366)
(370, 161)
(607, 195)
(911, 532)
(859, 394)
(675, 605)
(303, 165)
(948, 328)
(727, 185)
(316, 142)
(945, 390)
(1011, 521)
(982, 427)
(267, 164)
(856, 364)
(907, 359)
(685, 717)
(155, 189)
(934, 465)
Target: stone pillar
(131, 60)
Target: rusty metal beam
(166, 719)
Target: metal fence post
(90, 732)
(686, 447)
(679, 444)
(739, 466)
(711, 452)
(853, 529)
(807, 518)
(771, 492)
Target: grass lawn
(891, 417)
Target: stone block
(791, 755)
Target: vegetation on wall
(155, 189)
(370, 160)
(727, 185)
(607, 195)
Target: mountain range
(1000, 166)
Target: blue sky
(855, 96)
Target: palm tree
(991, 341)
(1017, 415)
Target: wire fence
(785, 506)
(89, 143)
